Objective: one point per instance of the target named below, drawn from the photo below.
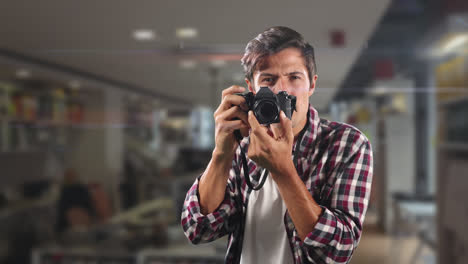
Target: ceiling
(92, 40)
(398, 39)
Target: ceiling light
(218, 63)
(379, 91)
(144, 34)
(186, 33)
(188, 64)
(23, 73)
(455, 42)
(74, 84)
(449, 44)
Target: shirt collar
(309, 132)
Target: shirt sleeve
(338, 231)
(200, 228)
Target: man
(313, 203)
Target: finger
(233, 113)
(232, 99)
(259, 131)
(232, 90)
(253, 121)
(277, 130)
(242, 116)
(231, 126)
(258, 148)
(244, 132)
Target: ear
(249, 84)
(312, 85)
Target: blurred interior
(106, 118)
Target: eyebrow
(267, 74)
(272, 75)
(295, 72)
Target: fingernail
(282, 114)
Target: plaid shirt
(335, 164)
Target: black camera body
(267, 106)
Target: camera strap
(265, 172)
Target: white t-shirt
(265, 237)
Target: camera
(267, 106)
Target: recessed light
(218, 63)
(74, 84)
(23, 73)
(188, 64)
(186, 33)
(144, 34)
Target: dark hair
(274, 40)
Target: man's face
(286, 71)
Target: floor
(377, 247)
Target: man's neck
(297, 130)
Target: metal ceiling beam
(18, 57)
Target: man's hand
(230, 116)
(271, 148)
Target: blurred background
(106, 119)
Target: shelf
(456, 146)
(452, 101)
(39, 122)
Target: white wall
(96, 148)
(86, 148)
(400, 159)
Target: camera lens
(266, 112)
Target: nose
(280, 85)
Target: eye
(267, 79)
(295, 77)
